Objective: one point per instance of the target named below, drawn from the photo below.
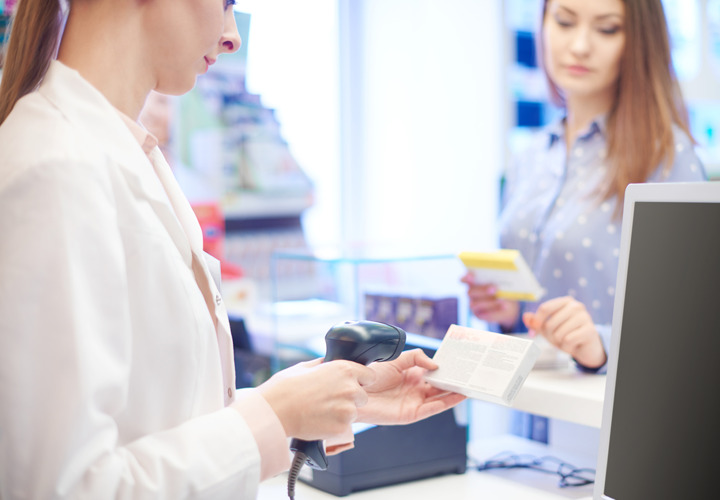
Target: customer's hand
(316, 400)
(566, 324)
(485, 305)
(400, 395)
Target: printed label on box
(483, 365)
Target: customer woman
(608, 67)
(116, 367)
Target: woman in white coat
(116, 368)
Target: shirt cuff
(518, 327)
(604, 331)
(267, 430)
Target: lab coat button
(218, 299)
(229, 392)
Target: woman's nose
(230, 41)
(581, 41)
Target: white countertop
(472, 485)
(566, 394)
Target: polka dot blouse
(553, 214)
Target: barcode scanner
(360, 341)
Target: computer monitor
(660, 435)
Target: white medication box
(483, 365)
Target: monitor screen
(661, 431)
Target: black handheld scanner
(360, 341)
(364, 342)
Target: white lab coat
(113, 377)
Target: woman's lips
(208, 62)
(577, 69)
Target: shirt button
(229, 392)
(218, 299)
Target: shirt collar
(556, 130)
(147, 141)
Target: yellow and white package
(507, 270)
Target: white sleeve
(65, 360)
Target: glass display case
(419, 291)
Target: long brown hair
(33, 41)
(648, 101)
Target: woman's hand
(567, 325)
(316, 400)
(485, 305)
(400, 394)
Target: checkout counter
(437, 458)
(563, 394)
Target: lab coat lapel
(200, 267)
